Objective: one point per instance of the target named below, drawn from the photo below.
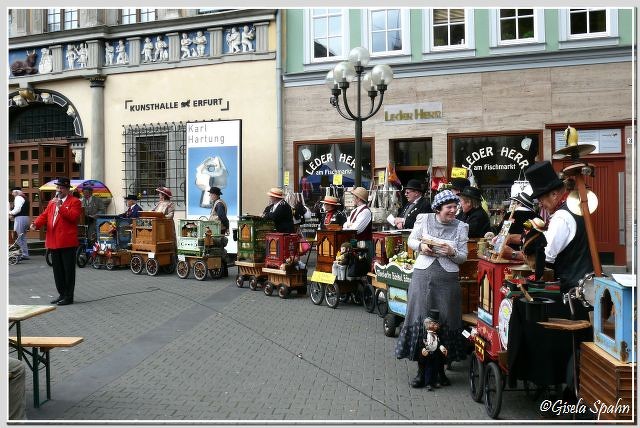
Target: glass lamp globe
(367, 83)
(344, 71)
(359, 56)
(381, 74)
(330, 81)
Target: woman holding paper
(441, 243)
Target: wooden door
(608, 219)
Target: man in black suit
(279, 211)
(416, 204)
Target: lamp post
(374, 82)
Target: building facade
(490, 90)
(141, 98)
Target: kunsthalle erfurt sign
(403, 114)
(213, 159)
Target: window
(516, 24)
(588, 27)
(59, 19)
(327, 33)
(132, 16)
(40, 121)
(448, 27)
(385, 31)
(155, 156)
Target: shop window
(155, 156)
(412, 158)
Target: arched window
(39, 121)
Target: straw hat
(331, 200)
(360, 193)
(276, 192)
(165, 191)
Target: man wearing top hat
(279, 211)
(567, 249)
(20, 215)
(416, 204)
(61, 216)
(133, 209)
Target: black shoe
(54, 301)
(64, 302)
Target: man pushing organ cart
(531, 329)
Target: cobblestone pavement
(165, 348)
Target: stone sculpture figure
(46, 63)
(108, 53)
(248, 35)
(21, 68)
(160, 53)
(83, 55)
(72, 56)
(147, 50)
(121, 50)
(185, 42)
(233, 40)
(200, 42)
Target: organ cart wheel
(332, 295)
(283, 291)
(316, 292)
(381, 302)
(200, 270)
(47, 257)
(81, 256)
(135, 265)
(492, 389)
(239, 281)
(268, 288)
(215, 273)
(367, 298)
(389, 325)
(13, 260)
(356, 296)
(476, 378)
(109, 264)
(253, 283)
(152, 267)
(182, 269)
(96, 262)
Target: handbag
(378, 211)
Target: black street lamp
(374, 82)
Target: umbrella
(99, 188)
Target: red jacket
(64, 233)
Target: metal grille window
(587, 21)
(448, 27)
(39, 121)
(327, 33)
(154, 155)
(517, 24)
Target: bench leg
(47, 369)
(36, 383)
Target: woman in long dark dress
(441, 242)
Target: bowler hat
(131, 198)
(276, 192)
(542, 178)
(216, 191)
(63, 181)
(525, 200)
(459, 183)
(360, 193)
(165, 191)
(16, 188)
(331, 200)
(414, 184)
(472, 192)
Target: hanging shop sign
(605, 140)
(495, 160)
(213, 159)
(403, 114)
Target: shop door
(608, 220)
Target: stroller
(15, 252)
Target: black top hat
(525, 200)
(63, 181)
(433, 315)
(472, 192)
(131, 198)
(215, 190)
(414, 184)
(460, 183)
(542, 178)
(16, 188)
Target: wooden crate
(606, 380)
(328, 244)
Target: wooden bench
(40, 347)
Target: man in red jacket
(62, 216)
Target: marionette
(433, 353)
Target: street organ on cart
(201, 249)
(251, 235)
(282, 265)
(153, 243)
(113, 237)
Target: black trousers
(64, 270)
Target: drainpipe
(279, 95)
